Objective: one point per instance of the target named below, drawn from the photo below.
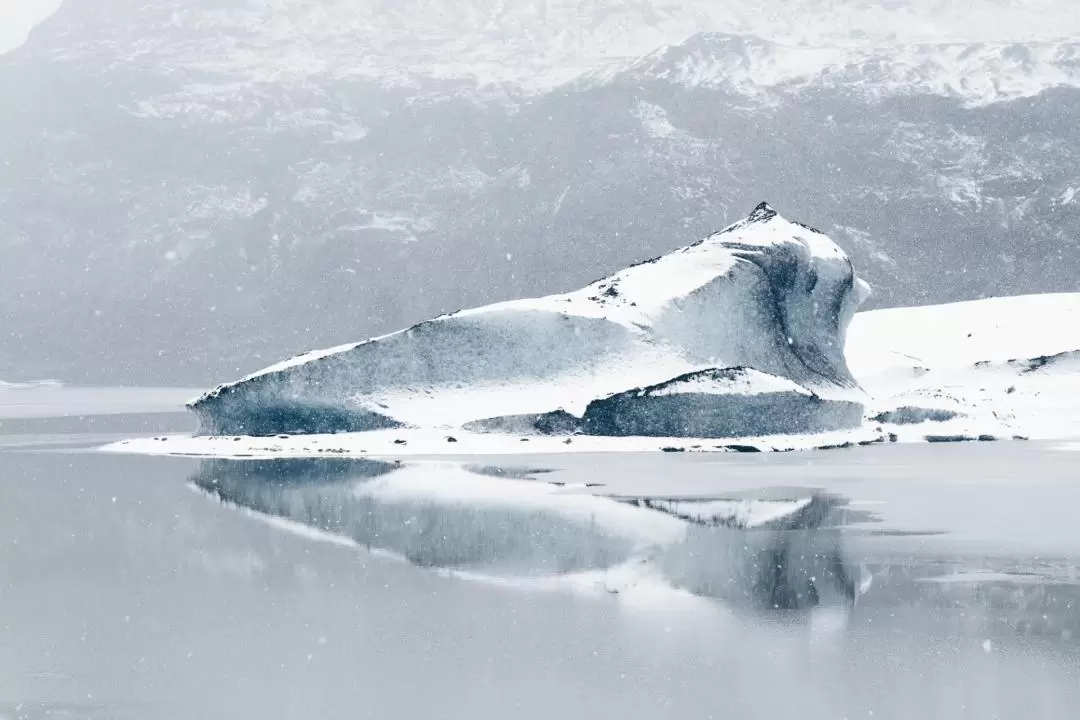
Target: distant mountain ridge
(249, 179)
(977, 74)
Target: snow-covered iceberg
(765, 294)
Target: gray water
(127, 593)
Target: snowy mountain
(18, 19)
(533, 44)
(764, 293)
(191, 174)
(976, 74)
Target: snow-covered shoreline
(408, 442)
(1002, 365)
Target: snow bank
(883, 344)
(405, 443)
(1002, 367)
(764, 293)
(18, 19)
(30, 385)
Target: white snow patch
(959, 357)
(30, 384)
(960, 334)
(977, 74)
(652, 287)
(655, 120)
(434, 443)
(303, 358)
(745, 64)
(502, 49)
(19, 17)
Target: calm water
(129, 589)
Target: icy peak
(764, 212)
(764, 225)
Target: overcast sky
(18, 17)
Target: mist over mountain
(192, 190)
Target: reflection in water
(781, 553)
(120, 605)
(784, 549)
(981, 596)
(53, 711)
(436, 529)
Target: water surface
(127, 591)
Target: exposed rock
(910, 415)
(730, 402)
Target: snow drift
(1002, 367)
(765, 294)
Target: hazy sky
(18, 18)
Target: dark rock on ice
(910, 415)
(730, 402)
(558, 422)
(847, 445)
(232, 413)
(742, 448)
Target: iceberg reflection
(778, 553)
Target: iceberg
(751, 318)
